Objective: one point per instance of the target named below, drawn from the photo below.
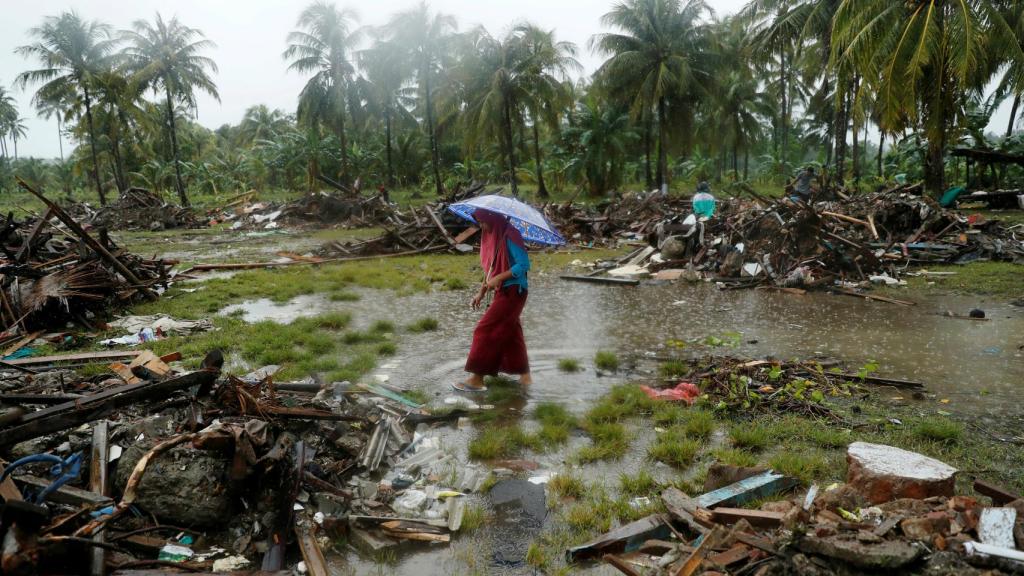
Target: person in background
(802, 187)
(498, 343)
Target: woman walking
(498, 344)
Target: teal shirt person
(519, 265)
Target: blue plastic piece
(65, 470)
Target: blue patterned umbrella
(528, 220)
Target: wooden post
(98, 484)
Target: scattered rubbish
(684, 392)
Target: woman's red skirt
(498, 344)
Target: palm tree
(928, 57)
(72, 52)
(385, 72)
(167, 55)
(546, 67)
(261, 123)
(8, 114)
(323, 47)
(16, 128)
(426, 37)
(599, 135)
(660, 54)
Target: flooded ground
(976, 366)
(971, 369)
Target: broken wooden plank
(874, 297)
(746, 490)
(64, 494)
(602, 280)
(757, 518)
(620, 565)
(1000, 496)
(895, 382)
(87, 356)
(622, 539)
(734, 555)
(98, 483)
(311, 552)
(680, 506)
(697, 556)
(95, 406)
(466, 234)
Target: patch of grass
(488, 483)
(94, 369)
(674, 451)
(1001, 279)
(750, 436)
(806, 466)
(735, 457)
(382, 327)
(668, 413)
(423, 325)
(343, 296)
(622, 401)
(673, 369)
(607, 361)
(699, 423)
(455, 284)
(569, 365)
(502, 390)
(639, 484)
(567, 486)
(387, 349)
(474, 517)
(939, 429)
(628, 511)
(500, 442)
(537, 556)
(609, 441)
(354, 337)
(417, 395)
(556, 424)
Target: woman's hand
(479, 298)
(495, 283)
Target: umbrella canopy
(528, 220)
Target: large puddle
(976, 366)
(972, 368)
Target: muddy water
(977, 366)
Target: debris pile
(53, 272)
(896, 513)
(794, 245)
(141, 209)
(205, 471)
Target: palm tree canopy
(71, 51)
(167, 55)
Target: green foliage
(605, 360)
(569, 365)
(674, 451)
(749, 436)
(423, 325)
(938, 428)
(637, 484)
(567, 486)
(673, 369)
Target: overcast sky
(250, 36)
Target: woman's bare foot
(474, 383)
(526, 379)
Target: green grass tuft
(499, 442)
(806, 466)
(735, 457)
(423, 325)
(674, 451)
(750, 436)
(567, 486)
(387, 349)
(569, 365)
(939, 429)
(673, 369)
(607, 361)
(474, 517)
(639, 484)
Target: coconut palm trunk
(178, 182)
(662, 153)
(648, 175)
(511, 149)
(542, 189)
(92, 148)
(881, 149)
(387, 152)
(429, 102)
(1013, 115)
